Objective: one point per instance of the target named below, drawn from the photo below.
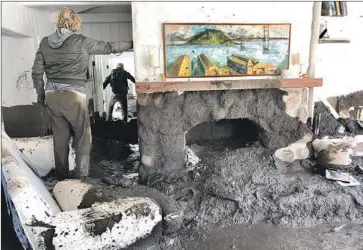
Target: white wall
(108, 31)
(110, 9)
(148, 18)
(22, 30)
(340, 64)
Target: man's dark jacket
(118, 80)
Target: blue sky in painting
(188, 31)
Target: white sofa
(41, 224)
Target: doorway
(100, 67)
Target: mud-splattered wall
(147, 28)
(22, 30)
(26, 27)
(147, 19)
(337, 63)
(340, 63)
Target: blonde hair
(69, 19)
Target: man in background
(118, 80)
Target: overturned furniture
(41, 224)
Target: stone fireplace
(230, 133)
(168, 121)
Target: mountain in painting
(234, 36)
(176, 37)
(210, 37)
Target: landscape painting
(225, 50)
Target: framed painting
(225, 50)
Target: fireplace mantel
(154, 87)
(164, 120)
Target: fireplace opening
(230, 133)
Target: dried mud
(329, 126)
(221, 188)
(228, 186)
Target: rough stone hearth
(165, 118)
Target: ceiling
(81, 7)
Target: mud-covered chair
(41, 224)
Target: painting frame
(164, 33)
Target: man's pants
(122, 98)
(69, 112)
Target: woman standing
(63, 57)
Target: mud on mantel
(154, 87)
(165, 118)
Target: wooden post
(314, 43)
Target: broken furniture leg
(317, 119)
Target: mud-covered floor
(292, 208)
(242, 198)
(239, 198)
(283, 206)
(267, 237)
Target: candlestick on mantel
(296, 58)
(153, 62)
(154, 59)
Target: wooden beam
(302, 83)
(154, 87)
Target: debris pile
(343, 179)
(248, 185)
(227, 185)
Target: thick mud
(266, 237)
(329, 126)
(246, 186)
(221, 187)
(226, 187)
(352, 100)
(237, 197)
(165, 118)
